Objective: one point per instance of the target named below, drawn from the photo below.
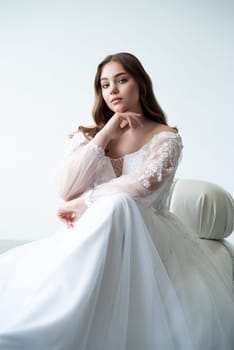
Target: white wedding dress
(127, 276)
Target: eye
(123, 80)
(105, 86)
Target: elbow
(66, 193)
(63, 194)
(63, 190)
(63, 187)
(66, 196)
(68, 189)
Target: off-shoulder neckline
(156, 135)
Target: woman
(127, 116)
(127, 275)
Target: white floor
(7, 244)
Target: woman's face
(119, 90)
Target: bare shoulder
(158, 128)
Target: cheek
(104, 96)
(134, 92)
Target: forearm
(102, 139)
(123, 184)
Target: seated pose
(124, 273)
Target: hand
(71, 211)
(117, 125)
(121, 122)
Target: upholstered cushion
(205, 207)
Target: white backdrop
(49, 51)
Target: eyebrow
(115, 76)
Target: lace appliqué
(117, 166)
(164, 165)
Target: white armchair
(208, 210)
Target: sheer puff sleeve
(76, 173)
(160, 164)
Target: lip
(116, 100)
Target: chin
(120, 109)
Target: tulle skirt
(124, 278)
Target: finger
(69, 225)
(67, 213)
(134, 119)
(62, 216)
(133, 122)
(73, 217)
(63, 220)
(130, 122)
(68, 222)
(137, 121)
(123, 123)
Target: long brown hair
(149, 104)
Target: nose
(114, 89)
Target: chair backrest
(203, 206)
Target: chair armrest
(204, 207)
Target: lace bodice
(117, 165)
(146, 175)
